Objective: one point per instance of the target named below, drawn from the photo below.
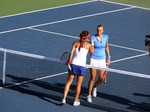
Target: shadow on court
(53, 94)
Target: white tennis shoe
(94, 92)
(63, 101)
(89, 98)
(76, 103)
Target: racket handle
(69, 67)
(105, 76)
(105, 79)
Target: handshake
(147, 42)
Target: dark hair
(82, 39)
(84, 33)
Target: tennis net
(17, 67)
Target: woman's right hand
(68, 62)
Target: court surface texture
(52, 31)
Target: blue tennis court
(37, 85)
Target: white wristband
(92, 43)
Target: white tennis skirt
(98, 63)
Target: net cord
(121, 72)
(30, 55)
(59, 60)
(22, 54)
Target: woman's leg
(67, 86)
(91, 81)
(98, 81)
(78, 86)
(100, 78)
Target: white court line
(123, 59)
(88, 66)
(45, 31)
(146, 76)
(107, 1)
(71, 5)
(63, 6)
(70, 19)
(57, 33)
(122, 72)
(40, 78)
(127, 48)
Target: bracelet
(109, 57)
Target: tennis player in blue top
(100, 58)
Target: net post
(4, 67)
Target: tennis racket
(64, 58)
(105, 76)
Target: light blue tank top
(99, 47)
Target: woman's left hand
(108, 62)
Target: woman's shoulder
(93, 37)
(76, 43)
(105, 36)
(87, 43)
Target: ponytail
(83, 36)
